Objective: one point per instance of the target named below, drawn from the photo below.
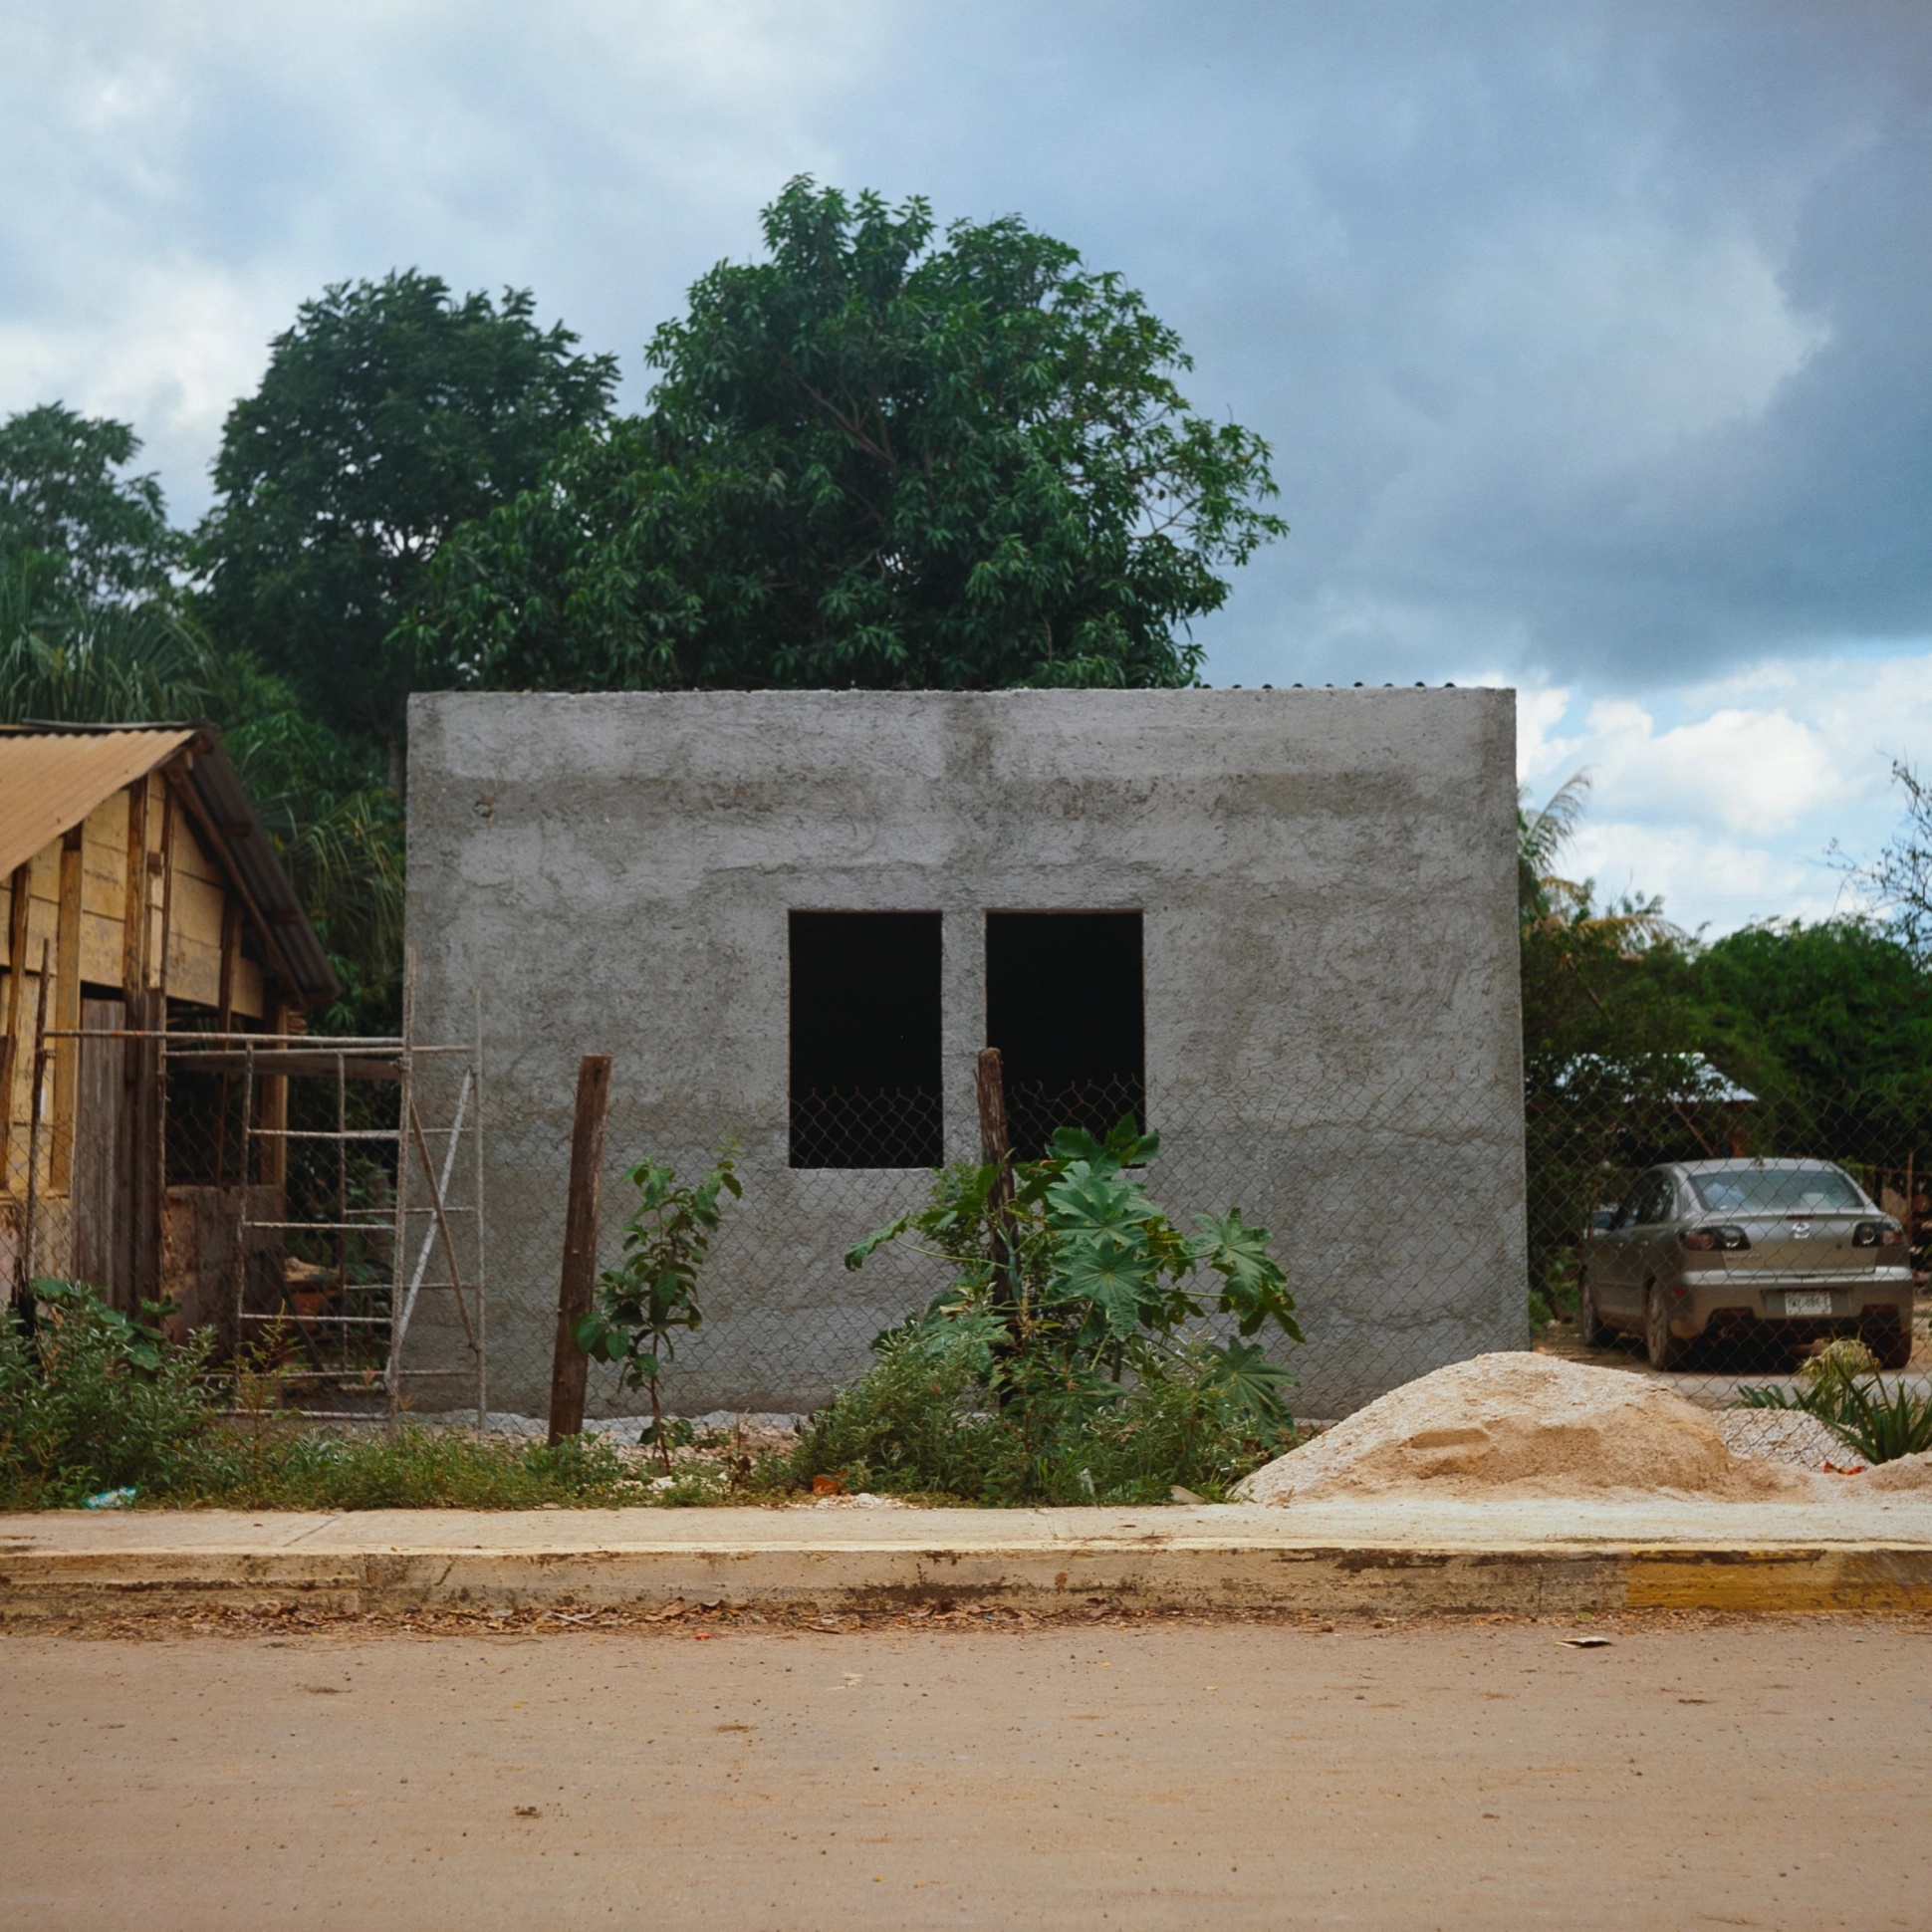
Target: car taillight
(1722, 1236)
(1878, 1233)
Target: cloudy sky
(1594, 340)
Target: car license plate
(1809, 1303)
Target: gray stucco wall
(1332, 1034)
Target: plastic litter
(111, 1499)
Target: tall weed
(304, 1467)
(942, 1413)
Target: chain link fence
(1658, 1217)
(1398, 1216)
(1412, 1237)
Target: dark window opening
(865, 1040)
(1063, 1006)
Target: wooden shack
(138, 893)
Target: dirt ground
(1098, 1769)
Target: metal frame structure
(422, 1247)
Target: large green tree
(877, 457)
(107, 534)
(390, 412)
(1833, 1019)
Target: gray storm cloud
(1594, 340)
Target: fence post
(571, 1366)
(24, 1308)
(996, 1149)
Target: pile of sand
(1529, 1424)
(1908, 1472)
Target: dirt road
(1772, 1774)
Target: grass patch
(280, 1465)
(92, 1401)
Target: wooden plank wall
(100, 1197)
(137, 851)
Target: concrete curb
(858, 1574)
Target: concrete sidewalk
(1844, 1551)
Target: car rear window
(1777, 1190)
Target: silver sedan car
(1793, 1249)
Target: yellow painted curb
(1194, 1573)
(1804, 1578)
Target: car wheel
(1665, 1350)
(1590, 1330)
(1890, 1344)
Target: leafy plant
(1880, 1426)
(1083, 1256)
(70, 658)
(96, 1399)
(654, 1289)
(1061, 1364)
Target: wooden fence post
(996, 1149)
(571, 1366)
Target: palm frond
(1541, 835)
(334, 824)
(71, 659)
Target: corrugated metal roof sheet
(51, 780)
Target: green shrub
(1063, 1364)
(654, 1289)
(918, 1421)
(941, 1415)
(94, 1399)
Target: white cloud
(1704, 880)
(1539, 711)
(1760, 771)
(1729, 806)
(199, 169)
